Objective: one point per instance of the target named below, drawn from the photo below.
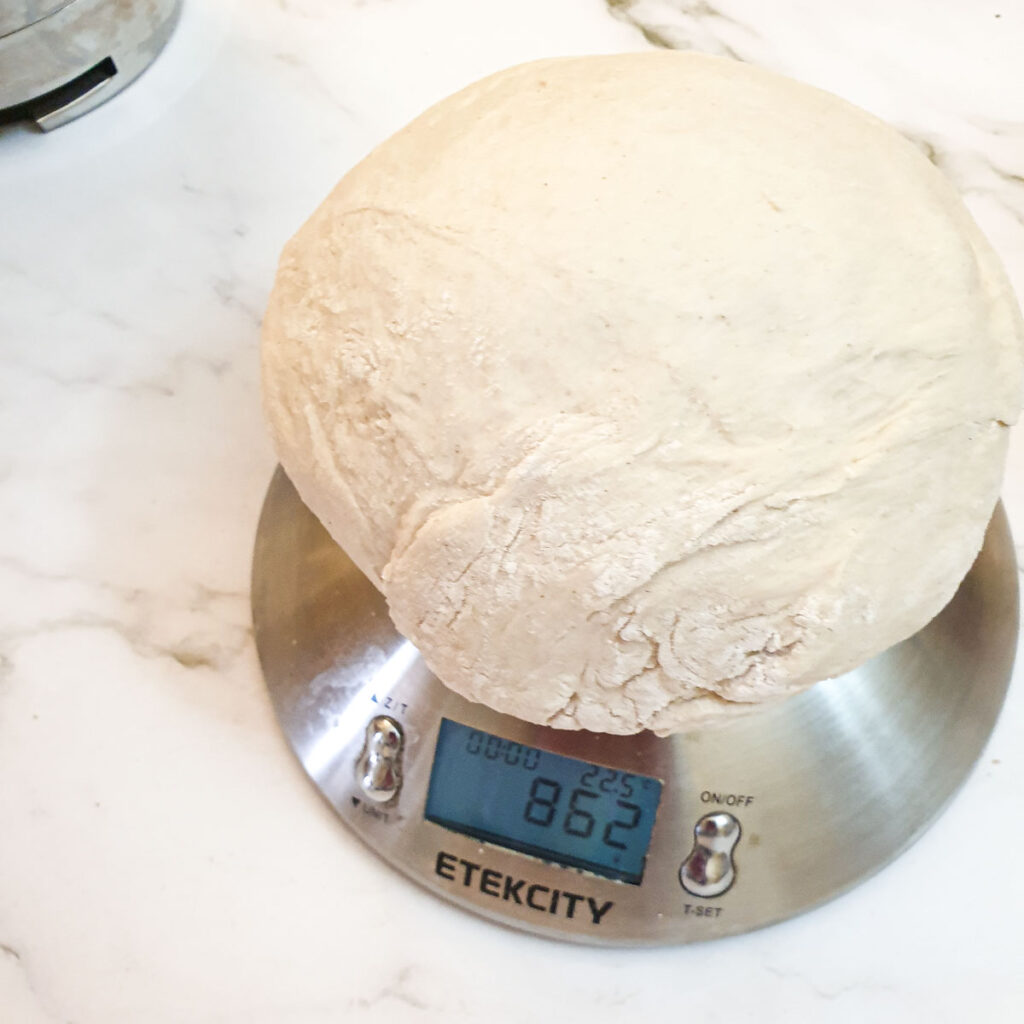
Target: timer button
(709, 869)
(379, 768)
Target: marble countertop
(162, 856)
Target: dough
(645, 387)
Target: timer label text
(697, 910)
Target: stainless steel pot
(61, 58)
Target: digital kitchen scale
(622, 840)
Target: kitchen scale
(622, 840)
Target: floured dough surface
(645, 386)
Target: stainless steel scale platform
(622, 840)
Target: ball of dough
(645, 387)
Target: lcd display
(557, 808)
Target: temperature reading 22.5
(559, 808)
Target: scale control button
(379, 768)
(708, 869)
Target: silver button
(709, 869)
(379, 768)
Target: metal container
(61, 58)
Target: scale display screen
(557, 808)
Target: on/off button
(709, 869)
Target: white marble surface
(162, 859)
